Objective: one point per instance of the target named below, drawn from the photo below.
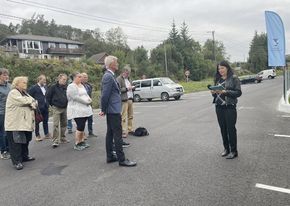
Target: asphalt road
(178, 164)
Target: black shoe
(225, 153)
(28, 159)
(232, 155)
(127, 163)
(125, 144)
(18, 166)
(112, 159)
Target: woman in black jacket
(225, 101)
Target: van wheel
(272, 77)
(177, 97)
(269, 77)
(164, 96)
(149, 99)
(137, 98)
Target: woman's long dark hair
(229, 73)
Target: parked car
(250, 79)
(267, 74)
(161, 87)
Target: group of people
(18, 106)
(67, 102)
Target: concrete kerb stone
(284, 106)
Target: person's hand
(212, 92)
(90, 101)
(130, 88)
(221, 91)
(101, 114)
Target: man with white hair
(111, 106)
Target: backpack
(141, 131)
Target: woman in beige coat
(19, 121)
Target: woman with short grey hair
(19, 121)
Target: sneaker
(84, 144)
(38, 139)
(79, 147)
(47, 136)
(5, 155)
(64, 141)
(131, 133)
(55, 145)
(92, 135)
(125, 144)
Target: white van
(162, 87)
(267, 74)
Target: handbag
(19, 137)
(38, 116)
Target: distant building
(99, 58)
(42, 47)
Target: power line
(96, 18)
(88, 16)
(11, 17)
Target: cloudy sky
(147, 22)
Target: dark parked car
(250, 79)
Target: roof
(42, 38)
(99, 58)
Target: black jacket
(56, 95)
(36, 93)
(233, 90)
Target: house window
(36, 45)
(62, 46)
(51, 45)
(73, 46)
(30, 44)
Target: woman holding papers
(225, 92)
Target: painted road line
(286, 116)
(157, 106)
(281, 135)
(277, 189)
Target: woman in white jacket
(78, 108)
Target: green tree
(258, 56)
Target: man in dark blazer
(38, 92)
(111, 107)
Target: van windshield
(166, 81)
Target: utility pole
(213, 45)
(165, 57)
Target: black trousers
(227, 118)
(18, 152)
(114, 132)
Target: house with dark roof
(42, 47)
(99, 58)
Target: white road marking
(240, 108)
(149, 106)
(277, 189)
(281, 135)
(286, 116)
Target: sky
(148, 22)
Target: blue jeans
(3, 137)
(69, 124)
(90, 124)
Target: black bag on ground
(141, 131)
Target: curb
(284, 106)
